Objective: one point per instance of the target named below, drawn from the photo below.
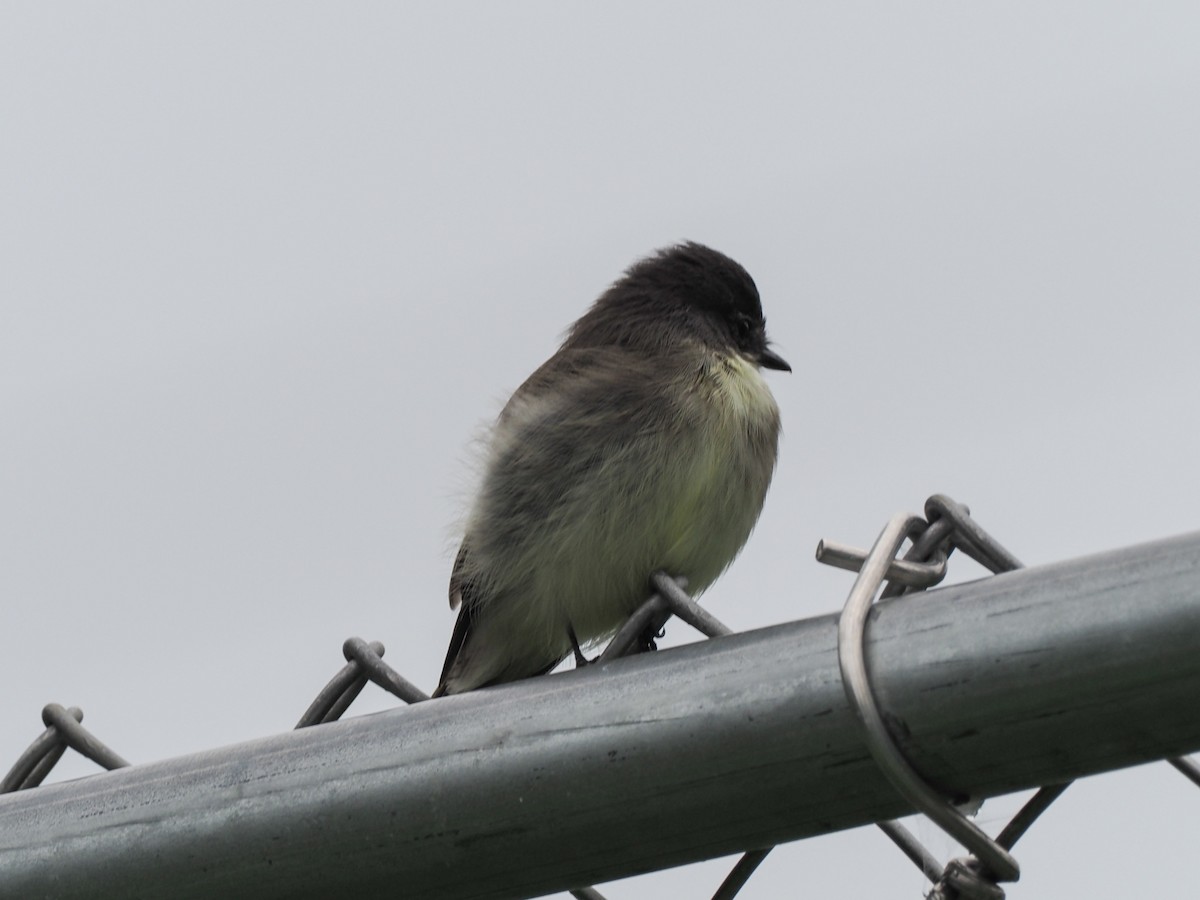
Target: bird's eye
(743, 325)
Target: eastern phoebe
(646, 442)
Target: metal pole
(739, 742)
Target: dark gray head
(685, 291)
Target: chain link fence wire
(63, 730)
(946, 527)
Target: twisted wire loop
(62, 731)
(364, 662)
(947, 526)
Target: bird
(646, 442)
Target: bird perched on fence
(646, 442)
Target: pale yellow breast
(746, 399)
(722, 485)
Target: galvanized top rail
(741, 742)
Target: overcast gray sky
(266, 270)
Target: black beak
(769, 359)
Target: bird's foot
(647, 640)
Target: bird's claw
(580, 659)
